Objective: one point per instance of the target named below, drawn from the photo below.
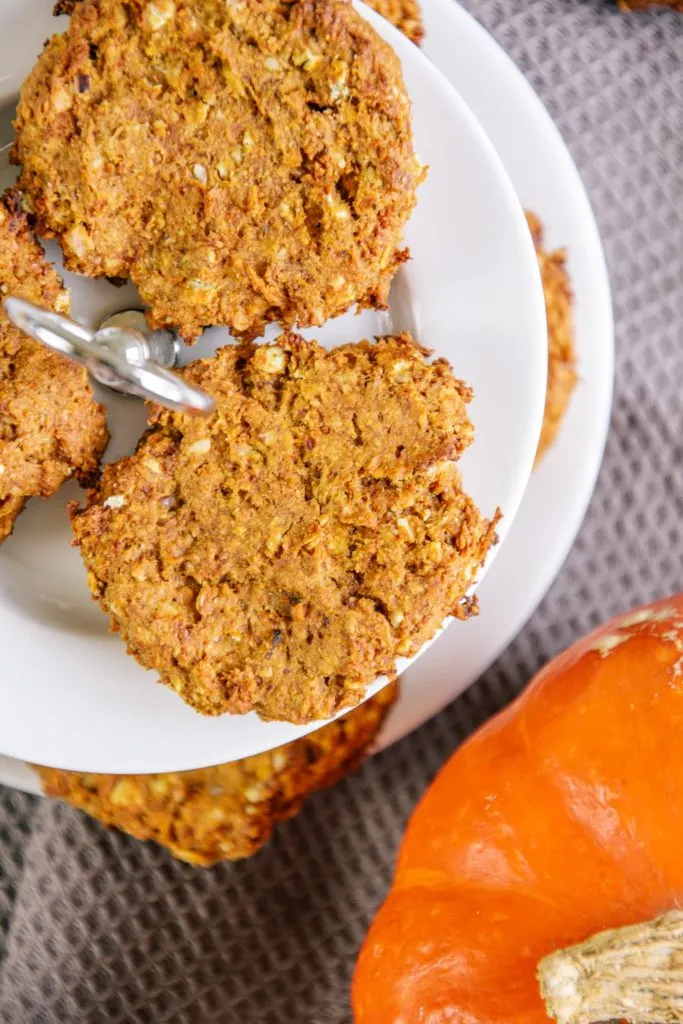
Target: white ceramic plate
(70, 695)
(555, 502)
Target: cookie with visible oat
(242, 163)
(50, 426)
(280, 555)
(405, 15)
(226, 812)
(641, 5)
(561, 352)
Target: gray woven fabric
(95, 927)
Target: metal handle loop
(117, 357)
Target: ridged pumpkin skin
(561, 817)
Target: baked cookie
(641, 5)
(406, 15)
(281, 554)
(50, 426)
(227, 812)
(561, 353)
(241, 162)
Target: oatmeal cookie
(561, 353)
(242, 163)
(227, 812)
(405, 15)
(50, 426)
(279, 555)
(641, 5)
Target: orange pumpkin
(561, 817)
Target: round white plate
(70, 695)
(546, 180)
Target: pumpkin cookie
(50, 427)
(641, 5)
(406, 15)
(280, 555)
(561, 353)
(254, 164)
(227, 812)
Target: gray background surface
(96, 927)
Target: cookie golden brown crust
(227, 812)
(406, 15)
(641, 5)
(561, 353)
(252, 165)
(50, 426)
(64, 7)
(281, 554)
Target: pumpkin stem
(633, 974)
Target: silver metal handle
(120, 357)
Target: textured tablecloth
(97, 927)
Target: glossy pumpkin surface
(561, 817)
